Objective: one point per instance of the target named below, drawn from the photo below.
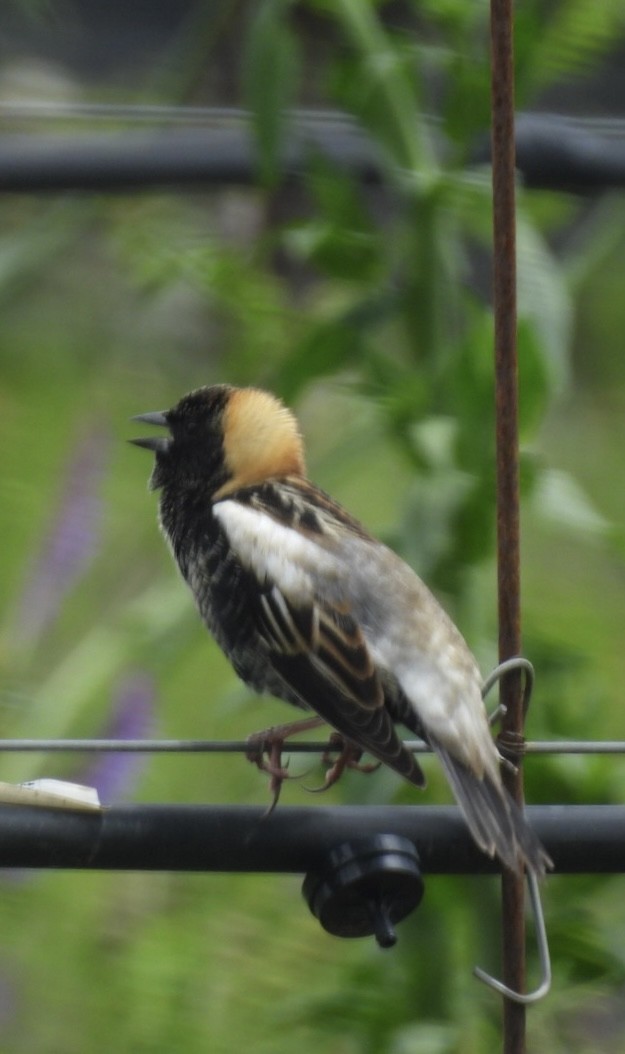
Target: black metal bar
(580, 838)
(178, 158)
(552, 151)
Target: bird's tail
(493, 817)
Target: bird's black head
(193, 452)
(224, 438)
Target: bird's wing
(302, 614)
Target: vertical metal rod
(508, 538)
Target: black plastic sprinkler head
(365, 887)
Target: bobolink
(310, 608)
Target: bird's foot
(349, 758)
(264, 749)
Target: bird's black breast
(221, 586)
(226, 593)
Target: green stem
(414, 150)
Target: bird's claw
(349, 758)
(272, 764)
(266, 754)
(264, 749)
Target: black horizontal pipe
(198, 157)
(579, 838)
(551, 151)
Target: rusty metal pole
(508, 538)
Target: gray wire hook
(520, 663)
(543, 953)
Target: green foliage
(375, 325)
(567, 37)
(270, 80)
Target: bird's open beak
(158, 444)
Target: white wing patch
(275, 553)
(413, 640)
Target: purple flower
(71, 541)
(115, 775)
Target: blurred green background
(367, 309)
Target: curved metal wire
(518, 662)
(543, 952)
(525, 998)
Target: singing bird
(312, 609)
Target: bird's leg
(270, 742)
(349, 758)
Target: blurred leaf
(565, 38)
(23, 252)
(462, 66)
(467, 105)
(471, 387)
(428, 1037)
(426, 538)
(325, 349)
(379, 82)
(597, 238)
(338, 251)
(561, 500)
(271, 67)
(544, 300)
(340, 240)
(454, 15)
(331, 344)
(535, 379)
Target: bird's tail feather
(493, 817)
